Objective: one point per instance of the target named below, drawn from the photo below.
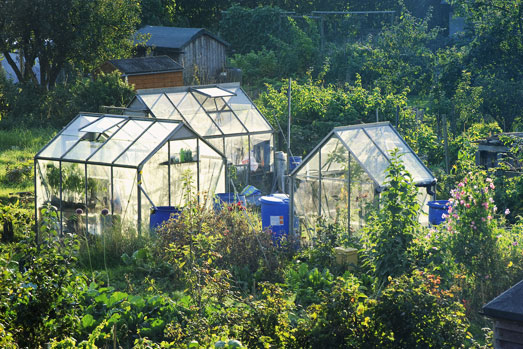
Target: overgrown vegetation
(215, 278)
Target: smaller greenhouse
(222, 114)
(102, 170)
(342, 177)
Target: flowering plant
(472, 225)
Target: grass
(17, 149)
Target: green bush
(29, 105)
(420, 314)
(391, 232)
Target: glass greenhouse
(342, 177)
(104, 169)
(223, 115)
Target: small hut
(147, 72)
(507, 312)
(201, 53)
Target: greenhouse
(103, 170)
(223, 115)
(342, 177)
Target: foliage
(39, 286)
(270, 46)
(317, 108)
(58, 33)
(15, 220)
(32, 106)
(309, 284)
(420, 314)
(392, 230)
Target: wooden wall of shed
(508, 334)
(159, 80)
(203, 60)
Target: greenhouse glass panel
(387, 139)
(309, 169)
(333, 199)
(67, 138)
(252, 119)
(334, 159)
(227, 122)
(163, 108)
(125, 199)
(261, 148)
(114, 147)
(212, 173)
(418, 172)
(306, 199)
(367, 153)
(98, 198)
(152, 138)
(213, 92)
(103, 124)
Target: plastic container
(436, 210)
(162, 214)
(228, 198)
(275, 215)
(295, 162)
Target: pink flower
(491, 199)
(507, 211)
(489, 217)
(482, 219)
(461, 184)
(489, 180)
(467, 205)
(485, 204)
(462, 202)
(492, 186)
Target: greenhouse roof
(114, 140)
(371, 146)
(212, 111)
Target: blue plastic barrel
(295, 161)
(228, 198)
(162, 214)
(436, 210)
(275, 215)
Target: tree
(83, 33)
(496, 55)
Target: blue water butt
(162, 214)
(436, 210)
(295, 161)
(275, 215)
(228, 198)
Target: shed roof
(508, 305)
(114, 140)
(142, 65)
(175, 38)
(371, 144)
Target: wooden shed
(507, 312)
(147, 72)
(201, 53)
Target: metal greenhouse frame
(123, 165)
(222, 114)
(346, 171)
